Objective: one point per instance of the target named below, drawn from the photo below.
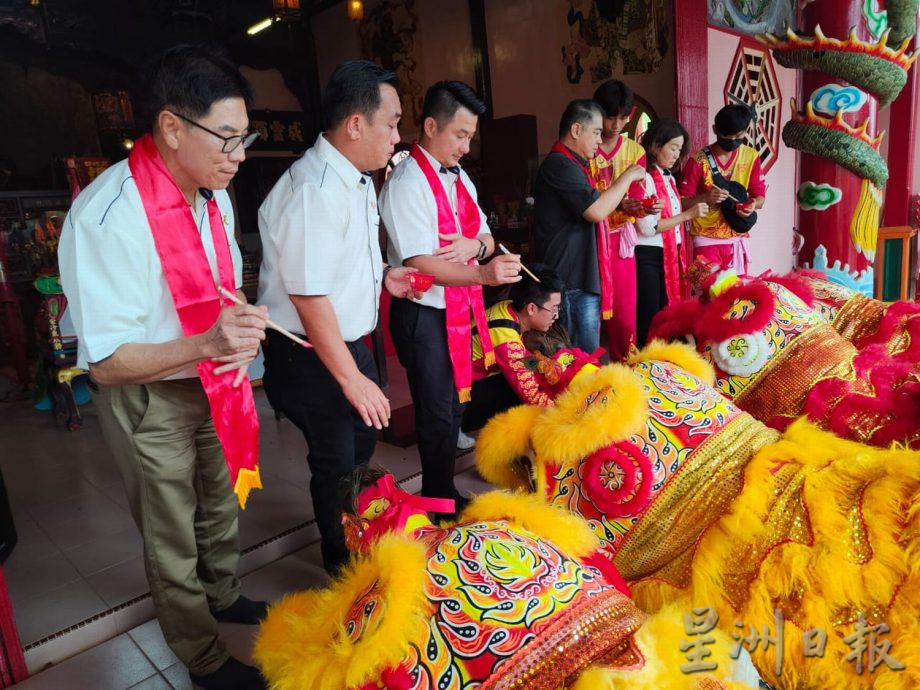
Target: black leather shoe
(232, 675)
(243, 610)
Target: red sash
(191, 285)
(397, 508)
(459, 300)
(672, 263)
(605, 268)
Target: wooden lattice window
(752, 80)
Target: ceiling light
(261, 26)
(355, 10)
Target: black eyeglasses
(230, 143)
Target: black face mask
(728, 144)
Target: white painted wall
(771, 238)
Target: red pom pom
(676, 321)
(715, 327)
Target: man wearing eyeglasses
(511, 380)
(142, 254)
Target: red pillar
(902, 143)
(830, 227)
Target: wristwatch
(483, 248)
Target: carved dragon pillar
(845, 82)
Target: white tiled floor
(78, 554)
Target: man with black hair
(140, 253)
(321, 276)
(614, 156)
(510, 380)
(570, 216)
(728, 160)
(434, 224)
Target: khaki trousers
(179, 491)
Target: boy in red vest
(705, 175)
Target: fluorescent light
(261, 26)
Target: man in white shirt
(321, 276)
(434, 224)
(141, 253)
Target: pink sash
(605, 268)
(459, 300)
(672, 262)
(191, 285)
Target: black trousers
(420, 336)
(298, 384)
(651, 295)
(489, 396)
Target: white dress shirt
(111, 272)
(319, 229)
(410, 215)
(647, 226)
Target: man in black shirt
(567, 207)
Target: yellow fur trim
(723, 281)
(593, 413)
(821, 584)
(607, 314)
(569, 532)
(502, 441)
(464, 395)
(659, 641)
(681, 354)
(303, 643)
(246, 481)
(488, 359)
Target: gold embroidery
(692, 500)
(818, 354)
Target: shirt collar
(583, 161)
(435, 163)
(344, 168)
(613, 152)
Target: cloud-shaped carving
(833, 98)
(817, 197)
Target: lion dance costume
(699, 504)
(514, 595)
(785, 346)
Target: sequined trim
(818, 354)
(787, 520)
(596, 629)
(859, 317)
(695, 497)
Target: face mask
(728, 144)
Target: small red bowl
(649, 201)
(421, 282)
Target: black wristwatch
(483, 248)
